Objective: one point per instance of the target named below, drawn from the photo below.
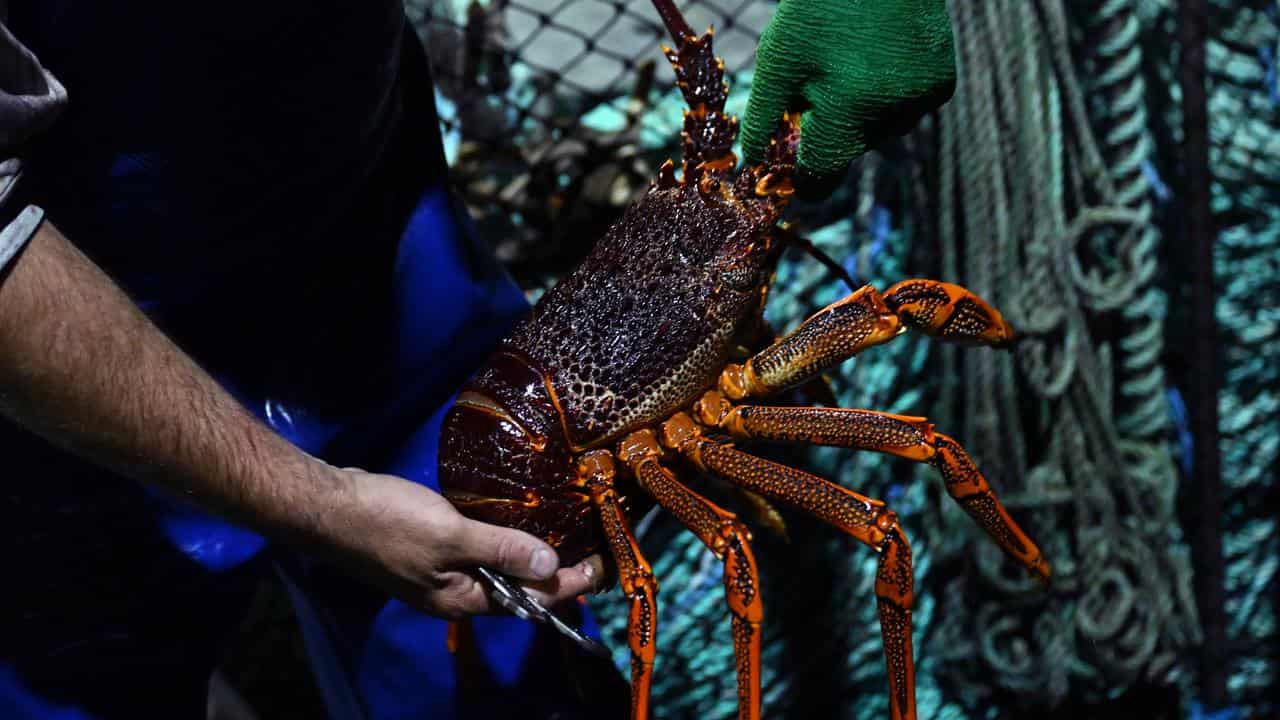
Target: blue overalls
(266, 181)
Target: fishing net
(1039, 186)
(555, 114)
(1244, 131)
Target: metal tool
(513, 597)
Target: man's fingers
(508, 551)
(584, 578)
(467, 593)
(465, 596)
(596, 573)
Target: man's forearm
(82, 366)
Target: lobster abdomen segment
(505, 460)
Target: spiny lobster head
(677, 235)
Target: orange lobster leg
(634, 575)
(865, 519)
(861, 320)
(948, 312)
(912, 438)
(725, 536)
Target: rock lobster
(627, 365)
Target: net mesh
(1244, 117)
(1040, 187)
(556, 112)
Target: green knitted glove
(864, 70)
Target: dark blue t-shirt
(246, 171)
(234, 165)
(179, 158)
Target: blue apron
(266, 180)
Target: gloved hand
(863, 70)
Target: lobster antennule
(675, 22)
(784, 147)
(770, 180)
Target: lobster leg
(948, 312)
(861, 320)
(634, 575)
(863, 518)
(725, 536)
(912, 438)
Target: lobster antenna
(803, 243)
(671, 17)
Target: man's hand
(82, 366)
(864, 71)
(412, 543)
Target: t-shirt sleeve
(30, 98)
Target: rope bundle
(1056, 227)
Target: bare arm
(83, 367)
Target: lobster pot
(1045, 185)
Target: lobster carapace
(626, 366)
